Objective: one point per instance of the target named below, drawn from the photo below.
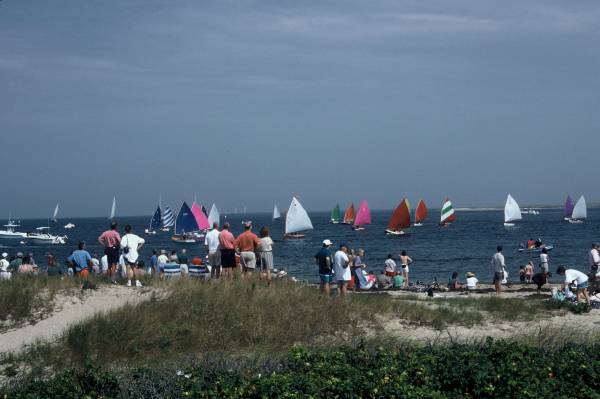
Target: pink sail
(201, 218)
(363, 216)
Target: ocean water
(467, 245)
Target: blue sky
(251, 102)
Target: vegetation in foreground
(490, 369)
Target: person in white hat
(325, 262)
(4, 273)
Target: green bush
(491, 369)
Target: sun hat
(4, 254)
(470, 274)
(327, 242)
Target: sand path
(70, 309)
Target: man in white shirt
(130, 245)
(499, 266)
(341, 263)
(4, 273)
(211, 241)
(594, 259)
(573, 276)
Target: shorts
(130, 263)
(266, 261)
(214, 259)
(498, 276)
(84, 273)
(228, 258)
(248, 260)
(583, 285)
(326, 278)
(544, 267)
(405, 268)
(112, 255)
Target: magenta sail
(201, 218)
(363, 216)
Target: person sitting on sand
(575, 277)
(471, 281)
(384, 281)
(540, 279)
(528, 272)
(454, 284)
(390, 266)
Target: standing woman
(265, 254)
(405, 260)
(544, 260)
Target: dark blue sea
(467, 245)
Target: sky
(251, 102)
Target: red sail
(421, 212)
(400, 218)
(349, 215)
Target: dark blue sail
(185, 222)
(155, 222)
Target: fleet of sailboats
(512, 212)
(297, 220)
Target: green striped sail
(447, 212)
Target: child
(540, 279)
(522, 274)
(471, 281)
(529, 272)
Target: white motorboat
(9, 231)
(42, 236)
(69, 226)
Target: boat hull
(184, 240)
(509, 225)
(575, 221)
(12, 236)
(47, 240)
(394, 232)
(538, 249)
(293, 236)
(418, 224)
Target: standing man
(111, 240)
(81, 261)
(499, 266)
(153, 269)
(131, 244)
(183, 261)
(227, 246)
(247, 243)
(211, 241)
(323, 259)
(341, 263)
(573, 276)
(544, 259)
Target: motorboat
(69, 226)
(9, 231)
(42, 236)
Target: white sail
(214, 216)
(296, 218)
(580, 209)
(55, 214)
(113, 208)
(512, 212)
(276, 213)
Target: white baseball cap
(327, 242)
(4, 254)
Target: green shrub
(491, 369)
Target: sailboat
(200, 217)
(569, 205)
(9, 231)
(335, 215)
(420, 213)
(154, 222)
(296, 220)
(447, 215)
(400, 219)
(512, 212)
(55, 214)
(579, 211)
(113, 208)
(349, 214)
(276, 213)
(214, 216)
(185, 225)
(363, 216)
(168, 219)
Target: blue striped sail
(168, 218)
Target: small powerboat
(69, 226)
(43, 237)
(10, 233)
